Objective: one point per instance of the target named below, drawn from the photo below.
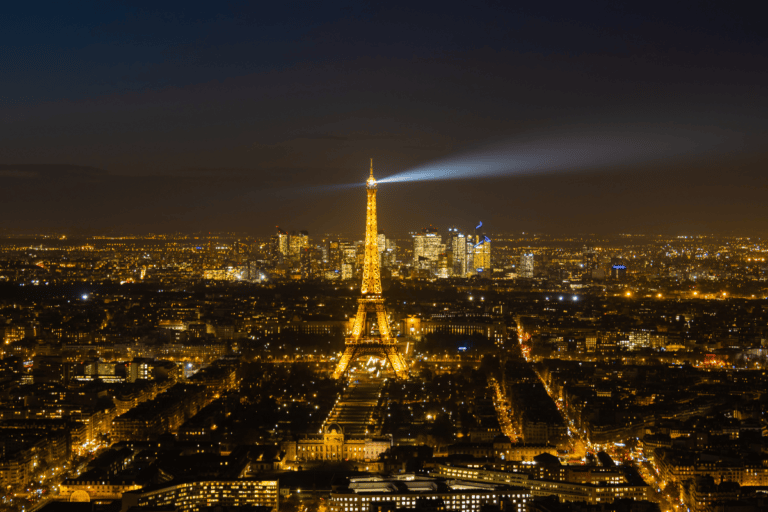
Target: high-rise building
(282, 242)
(305, 259)
(384, 257)
(482, 249)
(297, 243)
(443, 267)
(477, 257)
(389, 256)
(347, 251)
(526, 266)
(382, 242)
(457, 244)
(470, 255)
(347, 258)
(334, 255)
(427, 246)
(279, 245)
(359, 255)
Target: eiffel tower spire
(371, 273)
(371, 304)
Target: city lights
(552, 296)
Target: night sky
(153, 116)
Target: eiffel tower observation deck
(371, 334)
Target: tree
(490, 366)
(291, 503)
(314, 503)
(442, 430)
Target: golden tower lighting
(371, 308)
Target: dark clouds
(225, 116)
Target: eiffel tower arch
(371, 307)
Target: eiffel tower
(371, 308)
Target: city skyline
(357, 256)
(501, 376)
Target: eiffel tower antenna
(371, 303)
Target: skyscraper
(443, 268)
(384, 256)
(334, 255)
(347, 270)
(298, 242)
(381, 241)
(348, 253)
(305, 261)
(281, 242)
(427, 246)
(389, 256)
(470, 255)
(482, 251)
(457, 244)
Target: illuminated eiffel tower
(371, 310)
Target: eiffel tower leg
(397, 362)
(346, 358)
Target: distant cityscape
(189, 370)
(536, 262)
(558, 304)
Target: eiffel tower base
(351, 352)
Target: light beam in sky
(575, 150)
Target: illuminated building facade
(387, 251)
(427, 247)
(457, 243)
(282, 242)
(334, 254)
(381, 241)
(482, 250)
(414, 326)
(470, 252)
(371, 334)
(526, 266)
(411, 492)
(348, 251)
(193, 496)
(591, 485)
(443, 268)
(88, 490)
(298, 243)
(334, 445)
